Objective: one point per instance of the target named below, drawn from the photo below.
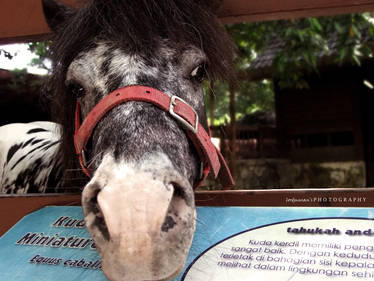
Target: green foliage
(340, 39)
(250, 97)
(254, 97)
(19, 79)
(42, 50)
(303, 44)
(302, 47)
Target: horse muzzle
(142, 224)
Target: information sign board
(230, 244)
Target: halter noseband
(210, 157)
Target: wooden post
(211, 103)
(232, 141)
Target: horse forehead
(104, 68)
(104, 61)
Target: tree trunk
(232, 141)
(211, 104)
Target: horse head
(129, 75)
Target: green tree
(301, 44)
(251, 97)
(42, 50)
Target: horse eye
(198, 74)
(77, 90)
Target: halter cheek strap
(210, 157)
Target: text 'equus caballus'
(127, 87)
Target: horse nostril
(93, 213)
(179, 206)
(168, 224)
(178, 190)
(183, 192)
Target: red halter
(210, 157)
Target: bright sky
(22, 58)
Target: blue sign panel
(50, 244)
(229, 244)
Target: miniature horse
(127, 88)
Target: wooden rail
(13, 208)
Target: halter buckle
(184, 122)
(84, 158)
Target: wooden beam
(234, 11)
(15, 207)
(22, 20)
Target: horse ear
(55, 13)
